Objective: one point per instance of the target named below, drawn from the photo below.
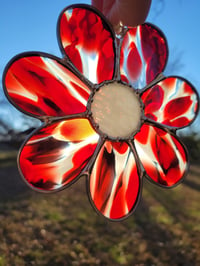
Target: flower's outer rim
(46, 120)
(82, 173)
(65, 64)
(139, 195)
(167, 127)
(173, 134)
(105, 22)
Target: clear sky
(31, 26)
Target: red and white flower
(71, 143)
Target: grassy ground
(62, 228)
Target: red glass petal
(143, 55)
(41, 86)
(57, 154)
(162, 155)
(114, 181)
(88, 42)
(172, 102)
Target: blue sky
(31, 26)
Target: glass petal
(114, 181)
(162, 155)
(144, 55)
(88, 41)
(42, 86)
(57, 154)
(172, 102)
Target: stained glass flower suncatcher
(107, 111)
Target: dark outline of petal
(184, 149)
(166, 45)
(140, 178)
(83, 172)
(105, 21)
(60, 61)
(156, 82)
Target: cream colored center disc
(116, 109)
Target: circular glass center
(116, 109)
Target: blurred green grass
(63, 229)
